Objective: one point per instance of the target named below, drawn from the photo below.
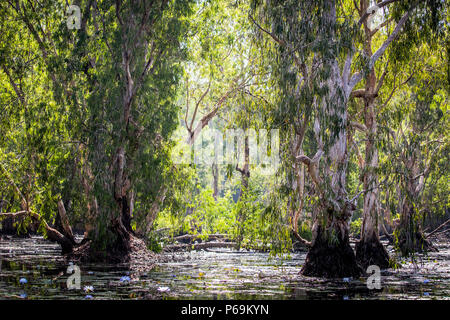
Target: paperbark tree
(369, 250)
(144, 53)
(303, 42)
(417, 150)
(121, 68)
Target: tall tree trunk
(409, 233)
(116, 245)
(410, 236)
(246, 171)
(330, 254)
(215, 174)
(300, 186)
(369, 250)
(245, 175)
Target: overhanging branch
(358, 75)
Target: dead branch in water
(189, 238)
(435, 230)
(199, 246)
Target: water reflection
(215, 274)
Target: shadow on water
(33, 269)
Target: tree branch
(435, 230)
(18, 91)
(299, 238)
(358, 126)
(274, 37)
(382, 25)
(358, 75)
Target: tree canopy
(97, 97)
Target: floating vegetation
(214, 274)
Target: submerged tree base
(138, 258)
(137, 255)
(331, 259)
(409, 244)
(371, 252)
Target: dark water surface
(214, 274)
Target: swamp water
(32, 268)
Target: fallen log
(435, 230)
(190, 238)
(439, 233)
(66, 230)
(198, 246)
(52, 234)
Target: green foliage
(210, 216)
(247, 220)
(154, 243)
(355, 227)
(64, 113)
